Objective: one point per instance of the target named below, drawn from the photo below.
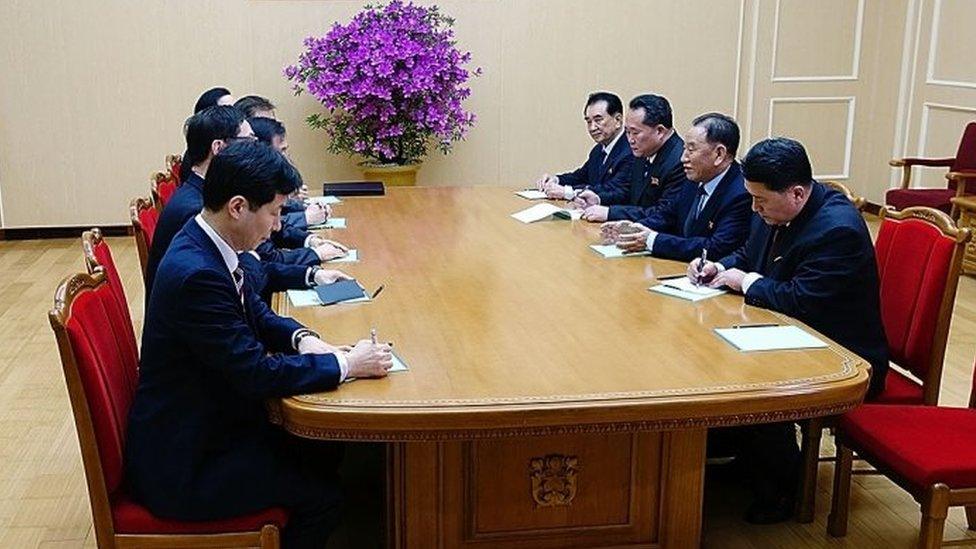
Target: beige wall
(94, 92)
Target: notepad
(770, 338)
(532, 194)
(340, 291)
(543, 211)
(683, 288)
(323, 200)
(611, 250)
(330, 223)
(351, 256)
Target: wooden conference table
(552, 401)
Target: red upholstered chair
(98, 258)
(927, 450)
(919, 252)
(88, 331)
(162, 185)
(174, 163)
(962, 168)
(144, 218)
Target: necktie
(606, 155)
(698, 203)
(238, 275)
(771, 247)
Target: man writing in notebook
(199, 444)
(809, 255)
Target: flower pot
(392, 175)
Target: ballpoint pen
(766, 325)
(701, 267)
(377, 292)
(372, 335)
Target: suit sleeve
(299, 256)
(217, 332)
(290, 235)
(620, 177)
(730, 232)
(829, 264)
(576, 178)
(267, 277)
(295, 219)
(671, 186)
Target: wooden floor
(43, 498)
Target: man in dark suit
(709, 212)
(809, 255)
(208, 132)
(655, 169)
(199, 444)
(609, 160)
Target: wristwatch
(301, 334)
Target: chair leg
(935, 507)
(971, 517)
(841, 498)
(810, 455)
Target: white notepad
(323, 200)
(351, 256)
(532, 194)
(611, 250)
(683, 288)
(398, 366)
(543, 211)
(770, 338)
(309, 298)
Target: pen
(377, 292)
(767, 325)
(372, 335)
(701, 267)
(671, 276)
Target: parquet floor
(43, 498)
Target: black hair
(250, 169)
(657, 110)
(205, 127)
(720, 128)
(614, 106)
(209, 98)
(249, 104)
(266, 128)
(778, 163)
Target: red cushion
(166, 190)
(131, 518)
(899, 389)
(920, 445)
(148, 218)
(900, 199)
(122, 320)
(914, 258)
(94, 342)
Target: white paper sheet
(770, 338)
(352, 256)
(329, 199)
(532, 194)
(611, 250)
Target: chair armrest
(906, 165)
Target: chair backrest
(174, 162)
(144, 218)
(162, 185)
(98, 258)
(87, 332)
(966, 155)
(858, 201)
(919, 252)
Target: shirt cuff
(568, 192)
(343, 366)
(308, 239)
(310, 276)
(651, 237)
(748, 281)
(255, 254)
(719, 266)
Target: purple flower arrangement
(392, 80)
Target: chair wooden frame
(934, 501)
(90, 239)
(155, 180)
(858, 201)
(812, 430)
(68, 290)
(959, 178)
(137, 205)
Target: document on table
(685, 289)
(323, 200)
(532, 194)
(770, 338)
(330, 223)
(611, 250)
(352, 256)
(543, 211)
(398, 366)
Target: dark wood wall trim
(872, 208)
(37, 233)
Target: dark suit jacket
(721, 227)
(600, 175)
(198, 428)
(821, 270)
(185, 204)
(647, 183)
